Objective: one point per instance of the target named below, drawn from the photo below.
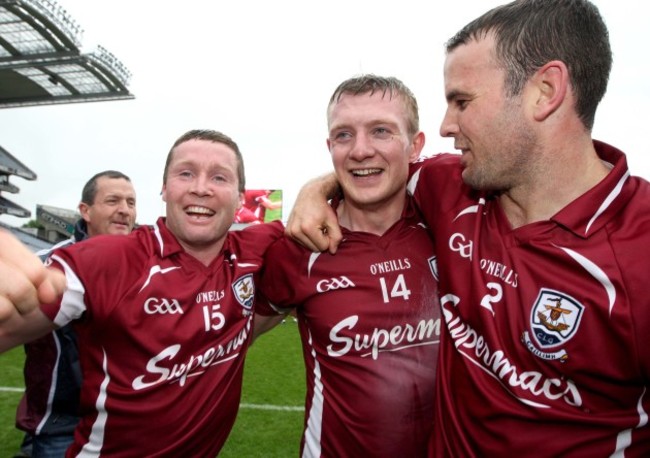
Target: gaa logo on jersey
(244, 289)
(555, 318)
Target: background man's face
(113, 211)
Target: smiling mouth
(195, 210)
(366, 172)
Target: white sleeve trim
(72, 304)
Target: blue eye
(382, 133)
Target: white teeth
(200, 210)
(366, 172)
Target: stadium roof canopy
(41, 62)
(9, 165)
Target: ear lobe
(552, 82)
(163, 193)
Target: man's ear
(163, 193)
(418, 145)
(84, 210)
(551, 83)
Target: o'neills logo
(530, 387)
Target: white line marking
(11, 389)
(272, 407)
(243, 405)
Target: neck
(567, 174)
(205, 255)
(374, 219)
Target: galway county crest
(244, 289)
(555, 317)
(433, 265)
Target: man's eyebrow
(340, 126)
(114, 195)
(451, 95)
(370, 122)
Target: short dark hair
(370, 83)
(531, 33)
(89, 191)
(215, 137)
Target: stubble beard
(508, 160)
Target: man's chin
(467, 177)
(474, 181)
(120, 230)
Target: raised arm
(24, 283)
(312, 222)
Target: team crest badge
(244, 289)
(433, 265)
(554, 319)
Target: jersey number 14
(399, 289)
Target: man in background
(48, 411)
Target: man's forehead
(471, 62)
(353, 104)
(123, 189)
(197, 145)
(205, 160)
(107, 183)
(476, 51)
(376, 94)
(200, 150)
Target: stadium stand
(9, 165)
(42, 63)
(57, 223)
(26, 236)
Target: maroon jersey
(369, 321)
(162, 339)
(252, 209)
(545, 348)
